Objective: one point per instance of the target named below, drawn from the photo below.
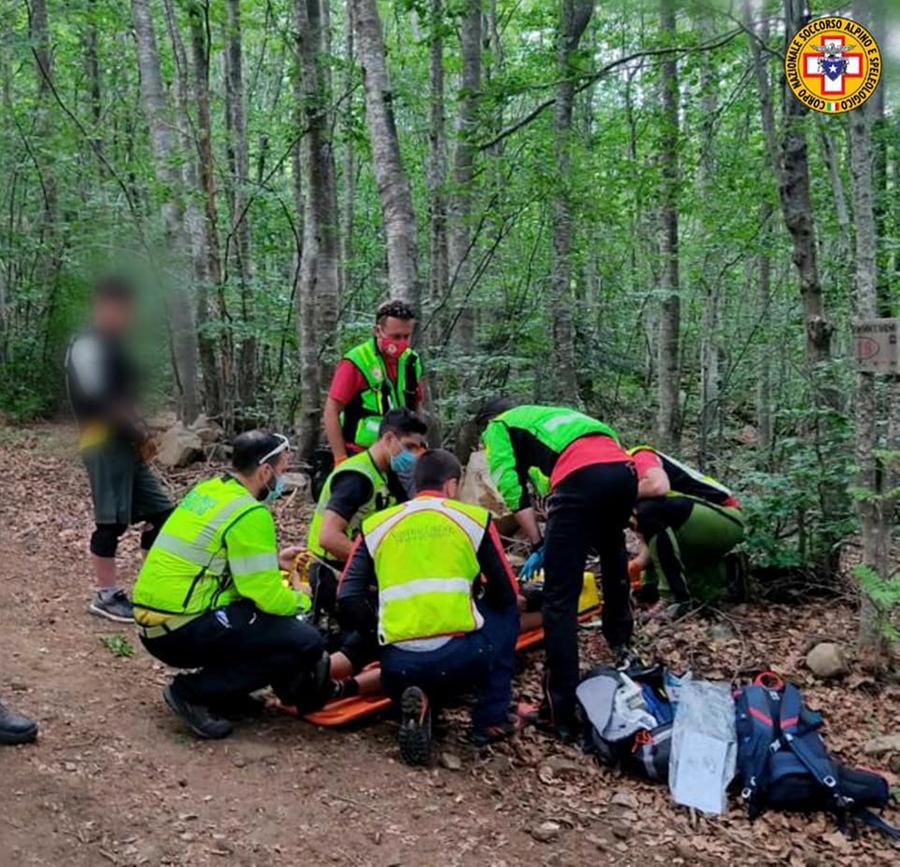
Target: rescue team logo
(833, 65)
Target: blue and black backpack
(782, 761)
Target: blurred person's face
(113, 315)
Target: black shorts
(124, 489)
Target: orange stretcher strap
(347, 710)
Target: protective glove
(533, 564)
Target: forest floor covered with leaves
(114, 777)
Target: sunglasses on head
(282, 446)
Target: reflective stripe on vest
(196, 550)
(426, 564)
(381, 498)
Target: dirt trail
(115, 779)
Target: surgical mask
(403, 465)
(275, 491)
(393, 348)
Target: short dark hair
(434, 468)
(402, 421)
(250, 447)
(396, 308)
(114, 287)
(493, 408)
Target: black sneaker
(15, 728)
(116, 607)
(414, 738)
(238, 707)
(201, 722)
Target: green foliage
(118, 645)
(884, 593)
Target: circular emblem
(833, 65)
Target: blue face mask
(403, 463)
(275, 491)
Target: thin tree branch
(539, 109)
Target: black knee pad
(105, 539)
(148, 537)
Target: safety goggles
(282, 446)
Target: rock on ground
(827, 660)
(179, 447)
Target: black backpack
(644, 752)
(782, 761)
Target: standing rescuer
(379, 374)
(114, 441)
(210, 596)
(690, 523)
(446, 606)
(592, 486)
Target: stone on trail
(451, 761)
(827, 660)
(883, 744)
(546, 832)
(179, 447)
(208, 431)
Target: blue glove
(533, 564)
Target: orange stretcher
(347, 710)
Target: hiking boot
(665, 611)
(15, 728)
(414, 738)
(198, 718)
(113, 606)
(237, 707)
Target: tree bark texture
(393, 184)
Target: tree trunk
(574, 18)
(439, 282)
(710, 407)
(318, 288)
(797, 207)
(193, 218)
(669, 368)
(766, 210)
(218, 395)
(240, 221)
(159, 119)
(459, 206)
(49, 255)
(393, 185)
(875, 511)
(349, 162)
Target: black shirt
(102, 381)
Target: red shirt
(595, 449)
(644, 461)
(348, 381)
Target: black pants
(588, 510)
(237, 650)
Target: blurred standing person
(115, 444)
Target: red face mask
(392, 348)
